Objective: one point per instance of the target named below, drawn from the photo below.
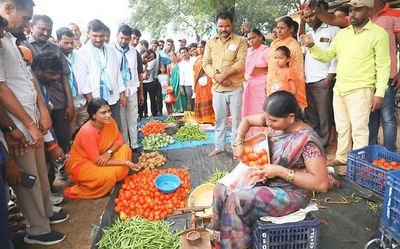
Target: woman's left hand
(268, 171)
(103, 159)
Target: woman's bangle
(52, 147)
(290, 176)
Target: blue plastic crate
(391, 205)
(295, 235)
(388, 238)
(361, 171)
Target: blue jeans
(387, 114)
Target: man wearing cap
(363, 67)
(389, 19)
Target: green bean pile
(218, 174)
(139, 233)
(190, 132)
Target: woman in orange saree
(98, 157)
(204, 112)
(284, 31)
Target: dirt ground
(78, 228)
(84, 213)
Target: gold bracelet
(290, 176)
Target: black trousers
(159, 98)
(149, 88)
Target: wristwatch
(8, 129)
(109, 152)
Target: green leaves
(195, 16)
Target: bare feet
(214, 153)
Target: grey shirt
(57, 93)
(19, 80)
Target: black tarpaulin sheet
(342, 226)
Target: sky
(63, 12)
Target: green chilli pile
(190, 132)
(216, 176)
(139, 233)
(170, 119)
(157, 141)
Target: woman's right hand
(238, 152)
(132, 166)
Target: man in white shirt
(320, 78)
(131, 75)
(98, 70)
(66, 41)
(186, 77)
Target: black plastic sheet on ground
(342, 226)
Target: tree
(194, 17)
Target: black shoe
(46, 239)
(58, 218)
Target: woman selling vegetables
(298, 167)
(98, 157)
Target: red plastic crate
(361, 170)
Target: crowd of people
(66, 101)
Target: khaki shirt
(219, 57)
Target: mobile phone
(245, 20)
(27, 180)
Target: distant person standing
(130, 70)
(77, 35)
(186, 77)
(224, 62)
(136, 34)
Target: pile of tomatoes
(153, 127)
(252, 158)
(385, 164)
(140, 197)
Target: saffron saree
(91, 180)
(204, 112)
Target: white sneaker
(56, 209)
(55, 200)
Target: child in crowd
(284, 77)
(164, 82)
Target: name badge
(324, 39)
(232, 47)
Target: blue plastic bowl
(167, 183)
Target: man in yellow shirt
(363, 68)
(224, 61)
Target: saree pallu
(234, 213)
(203, 109)
(180, 99)
(253, 100)
(91, 180)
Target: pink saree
(254, 86)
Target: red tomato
(247, 149)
